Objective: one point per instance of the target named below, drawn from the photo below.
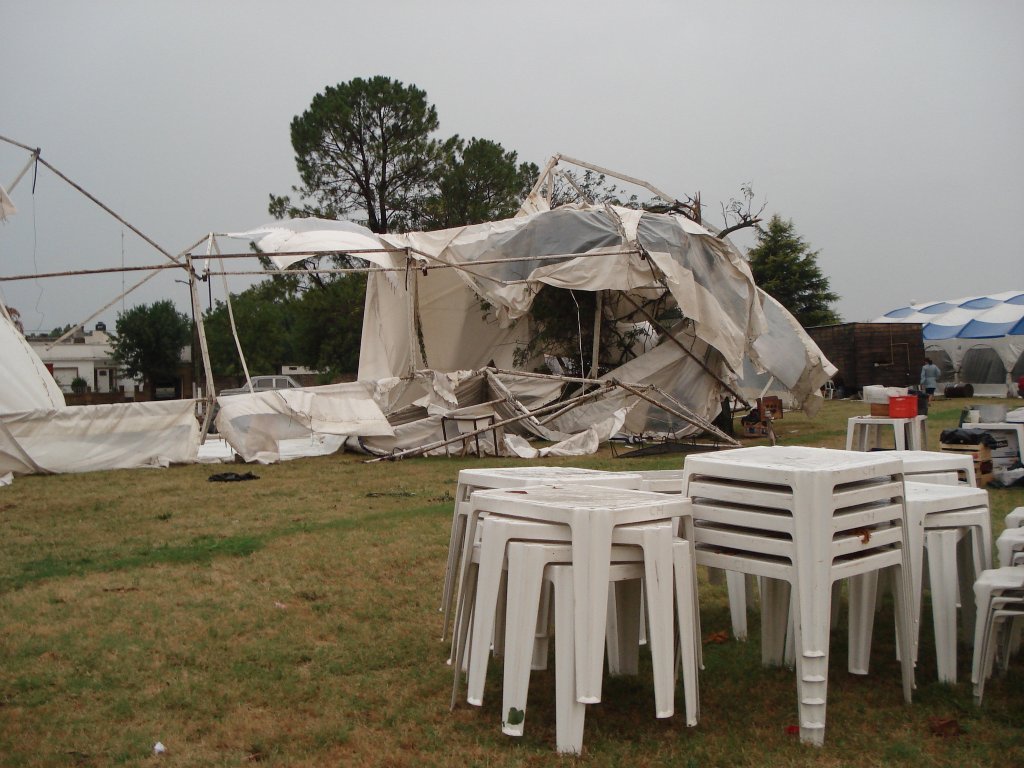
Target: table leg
(591, 560)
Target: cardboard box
(880, 409)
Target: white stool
(654, 541)
(529, 565)
(930, 508)
(909, 433)
(471, 480)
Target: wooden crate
(982, 455)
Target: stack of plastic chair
(471, 480)
(515, 516)
(1016, 518)
(951, 525)
(999, 594)
(803, 518)
(1010, 546)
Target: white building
(87, 355)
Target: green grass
(293, 621)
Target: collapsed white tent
(39, 433)
(437, 320)
(976, 340)
(446, 306)
(459, 300)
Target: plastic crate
(903, 407)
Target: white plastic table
(910, 433)
(810, 515)
(919, 466)
(591, 512)
(471, 480)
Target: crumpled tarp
(256, 425)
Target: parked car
(262, 384)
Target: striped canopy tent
(977, 340)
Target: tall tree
(149, 340)
(364, 148)
(479, 182)
(328, 326)
(785, 267)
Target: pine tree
(786, 268)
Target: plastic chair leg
(736, 583)
(686, 609)
(623, 628)
(526, 576)
(942, 546)
(775, 611)
(569, 713)
(452, 571)
(904, 626)
(863, 591)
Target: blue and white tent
(977, 340)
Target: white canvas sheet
(25, 384)
(256, 425)
(504, 263)
(88, 438)
(786, 352)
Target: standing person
(930, 377)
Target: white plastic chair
(993, 590)
(1016, 518)
(1009, 543)
(1006, 614)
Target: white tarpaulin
(97, 437)
(25, 384)
(298, 239)
(478, 313)
(257, 424)
(506, 263)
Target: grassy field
(293, 621)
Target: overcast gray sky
(891, 132)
